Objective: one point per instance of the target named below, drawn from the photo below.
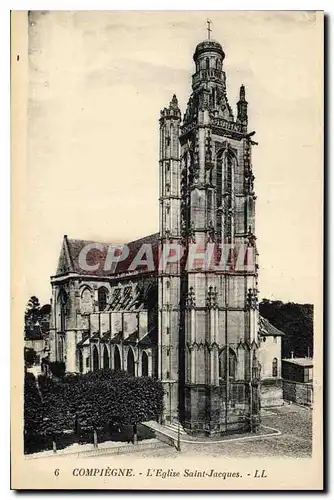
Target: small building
(269, 359)
(298, 380)
(36, 337)
(298, 369)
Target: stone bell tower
(219, 316)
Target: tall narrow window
(80, 360)
(102, 297)
(105, 358)
(274, 371)
(144, 364)
(225, 167)
(95, 358)
(231, 366)
(117, 359)
(62, 301)
(131, 362)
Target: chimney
(291, 354)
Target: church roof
(69, 259)
(269, 330)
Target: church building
(195, 327)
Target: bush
(29, 356)
(91, 401)
(57, 368)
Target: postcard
(167, 250)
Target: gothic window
(224, 188)
(117, 359)
(231, 366)
(80, 361)
(144, 364)
(102, 297)
(274, 370)
(61, 348)
(86, 301)
(95, 358)
(131, 362)
(105, 358)
(87, 362)
(62, 301)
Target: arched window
(274, 371)
(105, 358)
(226, 165)
(144, 364)
(207, 63)
(229, 369)
(131, 362)
(95, 358)
(102, 297)
(61, 348)
(86, 301)
(62, 300)
(80, 360)
(117, 359)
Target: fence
(298, 392)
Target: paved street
(294, 422)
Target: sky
(97, 82)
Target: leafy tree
(296, 321)
(57, 368)
(32, 313)
(96, 399)
(33, 412)
(29, 356)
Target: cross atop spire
(209, 28)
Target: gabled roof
(149, 339)
(71, 248)
(269, 330)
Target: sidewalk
(264, 431)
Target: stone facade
(195, 328)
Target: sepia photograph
(167, 249)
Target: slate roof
(71, 249)
(299, 361)
(269, 330)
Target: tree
(32, 313)
(57, 368)
(296, 321)
(33, 413)
(29, 356)
(95, 399)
